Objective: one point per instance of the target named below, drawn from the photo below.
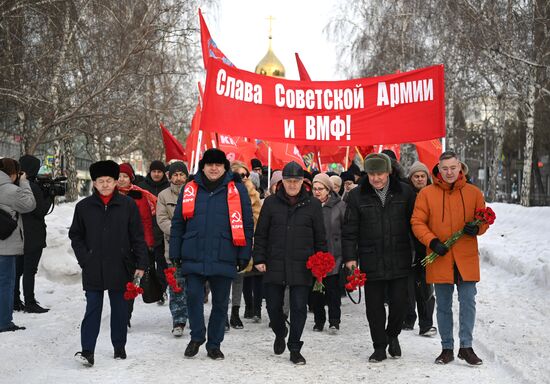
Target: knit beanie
(255, 178)
(255, 163)
(377, 163)
(177, 166)
(418, 167)
(324, 179)
(157, 165)
(127, 169)
(347, 176)
(275, 178)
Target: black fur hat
(214, 156)
(104, 168)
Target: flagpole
(443, 143)
(268, 165)
(347, 157)
(192, 162)
(199, 142)
(320, 164)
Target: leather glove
(438, 247)
(241, 265)
(471, 229)
(176, 262)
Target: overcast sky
(240, 29)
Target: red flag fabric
(236, 148)
(172, 147)
(209, 47)
(428, 152)
(396, 148)
(391, 109)
(302, 69)
(281, 154)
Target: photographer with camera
(34, 230)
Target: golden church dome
(270, 65)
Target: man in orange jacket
(441, 209)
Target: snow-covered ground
(510, 336)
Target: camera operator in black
(34, 231)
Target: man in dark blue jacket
(210, 239)
(108, 242)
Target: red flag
(396, 148)
(428, 152)
(304, 76)
(281, 154)
(172, 147)
(236, 148)
(209, 47)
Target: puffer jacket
(15, 200)
(334, 211)
(442, 209)
(287, 235)
(166, 205)
(379, 236)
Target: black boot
(18, 305)
(34, 307)
(120, 353)
(248, 312)
(235, 320)
(85, 357)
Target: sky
(240, 29)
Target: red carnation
(320, 264)
(171, 279)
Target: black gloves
(241, 265)
(471, 229)
(176, 262)
(438, 247)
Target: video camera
(52, 187)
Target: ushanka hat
(214, 156)
(104, 168)
(378, 163)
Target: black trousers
(421, 294)
(27, 267)
(275, 294)
(253, 292)
(376, 312)
(331, 298)
(161, 264)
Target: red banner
(429, 152)
(236, 148)
(172, 147)
(397, 108)
(281, 154)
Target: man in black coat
(377, 231)
(290, 229)
(155, 182)
(107, 238)
(34, 230)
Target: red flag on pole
(209, 47)
(304, 76)
(428, 152)
(172, 147)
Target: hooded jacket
(441, 209)
(15, 200)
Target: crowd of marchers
(231, 233)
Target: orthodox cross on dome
(270, 18)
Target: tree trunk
(497, 148)
(528, 151)
(71, 172)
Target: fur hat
(336, 180)
(377, 163)
(293, 170)
(324, 179)
(177, 166)
(214, 156)
(347, 176)
(127, 169)
(255, 163)
(30, 165)
(418, 167)
(157, 165)
(104, 168)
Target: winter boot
(192, 348)
(33, 307)
(378, 356)
(297, 358)
(394, 349)
(12, 328)
(215, 354)
(280, 344)
(85, 357)
(18, 305)
(235, 320)
(120, 353)
(248, 313)
(445, 357)
(469, 356)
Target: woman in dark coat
(290, 229)
(107, 238)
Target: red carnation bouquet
(481, 216)
(171, 279)
(133, 289)
(320, 264)
(355, 280)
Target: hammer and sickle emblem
(189, 191)
(235, 217)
